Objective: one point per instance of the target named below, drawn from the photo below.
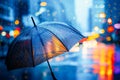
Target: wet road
(92, 62)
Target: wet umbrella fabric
(37, 44)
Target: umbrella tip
(33, 21)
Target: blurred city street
(96, 57)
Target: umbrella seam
(42, 42)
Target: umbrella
(40, 43)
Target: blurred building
(6, 12)
(21, 9)
(112, 10)
(84, 16)
(6, 19)
(98, 15)
(11, 13)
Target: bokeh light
(102, 15)
(16, 33)
(17, 22)
(108, 38)
(96, 28)
(102, 31)
(18, 28)
(3, 33)
(110, 29)
(90, 43)
(93, 36)
(109, 21)
(1, 28)
(43, 4)
(7, 35)
(11, 33)
(82, 40)
(117, 26)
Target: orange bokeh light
(82, 40)
(17, 22)
(1, 28)
(43, 4)
(16, 33)
(110, 29)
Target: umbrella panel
(45, 46)
(68, 35)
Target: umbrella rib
(46, 56)
(57, 38)
(32, 53)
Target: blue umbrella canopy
(40, 43)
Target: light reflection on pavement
(93, 61)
